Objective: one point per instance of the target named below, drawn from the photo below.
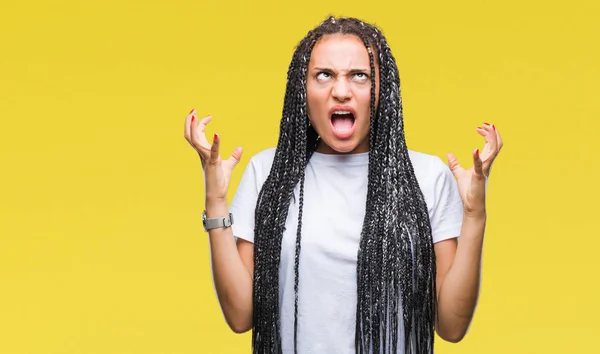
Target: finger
(202, 136)
(499, 138)
(198, 138)
(214, 150)
(491, 139)
(477, 163)
(199, 133)
(454, 165)
(481, 131)
(235, 157)
(187, 126)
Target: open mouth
(342, 121)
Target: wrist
(215, 200)
(216, 207)
(475, 215)
(473, 227)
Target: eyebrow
(350, 71)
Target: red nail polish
(477, 152)
(216, 137)
(193, 118)
(493, 126)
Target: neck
(323, 148)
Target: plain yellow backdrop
(101, 246)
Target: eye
(323, 76)
(361, 76)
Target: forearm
(459, 292)
(233, 281)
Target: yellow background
(101, 246)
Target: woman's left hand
(472, 183)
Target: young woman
(342, 239)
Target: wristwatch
(215, 223)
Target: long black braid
(396, 261)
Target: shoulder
(258, 168)
(441, 194)
(433, 175)
(263, 160)
(427, 166)
(255, 174)
(264, 155)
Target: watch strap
(215, 223)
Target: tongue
(342, 122)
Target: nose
(341, 90)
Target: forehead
(341, 51)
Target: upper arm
(243, 207)
(246, 195)
(445, 212)
(444, 203)
(444, 256)
(246, 251)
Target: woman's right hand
(217, 172)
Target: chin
(339, 147)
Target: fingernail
(477, 151)
(192, 111)
(216, 137)
(193, 118)
(493, 126)
(486, 123)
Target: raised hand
(217, 172)
(472, 183)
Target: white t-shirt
(335, 191)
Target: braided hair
(396, 261)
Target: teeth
(342, 112)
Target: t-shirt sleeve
(447, 210)
(244, 202)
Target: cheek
(365, 100)
(315, 101)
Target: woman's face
(339, 93)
